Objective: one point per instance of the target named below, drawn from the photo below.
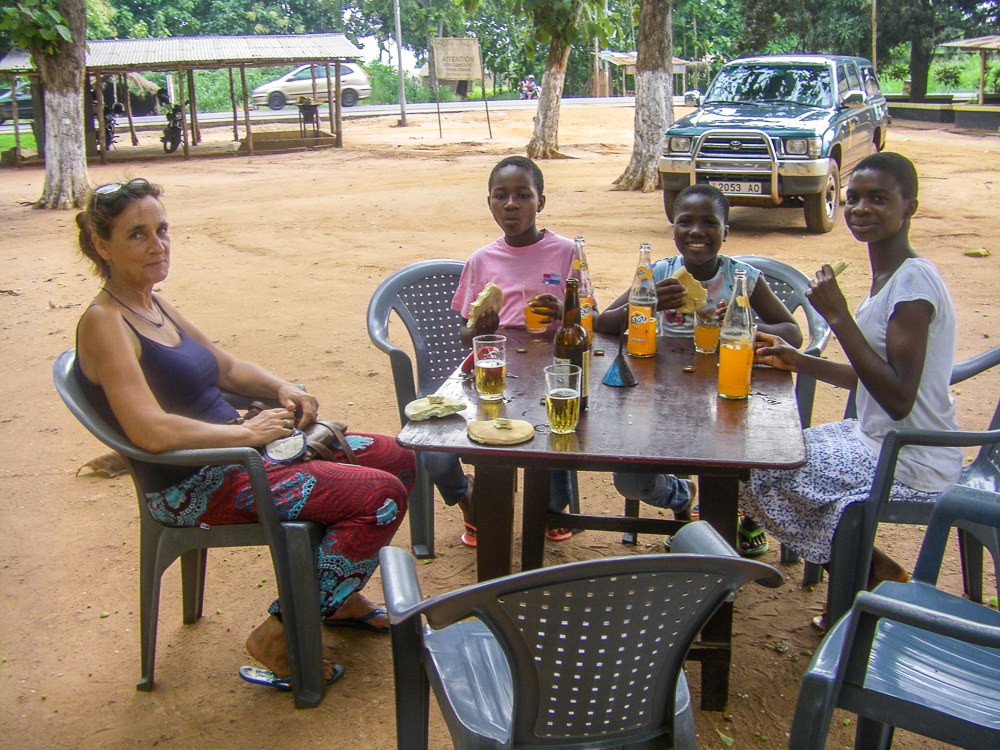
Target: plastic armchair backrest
(790, 286)
(421, 296)
(594, 648)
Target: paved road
(289, 113)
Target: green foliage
(895, 72)
(949, 76)
(100, 20)
(35, 25)
(385, 86)
(211, 87)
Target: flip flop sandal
(267, 678)
(469, 537)
(558, 535)
(359, 622)
(753, 548)
(668, 543)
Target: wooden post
(128, 112)
(101, 139)
(338, 134)
(982, 77)
(312, 74)
(246, 109)
(482, 77)
(17, 133)
(329, 100)
(232, 98)
(182, 102)
(195, 130)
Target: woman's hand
(547, 307)
(670, 294)
(269, 425)
(824, 294)
(775, 352)
(303, 405)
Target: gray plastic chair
(912, 656)
(293, 547)
(420, 295)
(982, 473)
(585, 655)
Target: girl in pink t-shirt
(524, 253)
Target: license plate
(739, 188)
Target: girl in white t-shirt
(901, 346)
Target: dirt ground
(276, 258)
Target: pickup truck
(779, 131)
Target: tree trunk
(920, 64)
(544, 143)
(654, 90)
(66, 183)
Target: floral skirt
(361, 507)
(801, 508)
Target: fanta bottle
(582, 274)
(642, 308)
(736, 342)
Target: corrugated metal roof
(980, 42)
(201, 52)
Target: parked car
(354, 85)
(779, 131)
(23, 98)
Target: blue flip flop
(267, 678)
(359, 622)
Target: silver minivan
(354, 85)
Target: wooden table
(672, 421)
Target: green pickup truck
(779, 131)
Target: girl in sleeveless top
(159, 379)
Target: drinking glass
(706, 330)
(491, 366)
(562, 397)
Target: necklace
(137, 314)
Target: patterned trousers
(361, 507)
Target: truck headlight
(803, 146)
(680, 144)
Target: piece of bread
(501, 431)
(491, 298)
(433, 406)
(696, 294)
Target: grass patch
(27, 142)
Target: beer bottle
(642, 308)
(736, 342)
(572, 346)
(582, 273)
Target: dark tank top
(183, 379)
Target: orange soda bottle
(736, 343)
(642, 308)
(581, 273)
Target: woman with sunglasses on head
(152, 373)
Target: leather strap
(324, 451)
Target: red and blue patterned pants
(361, 507)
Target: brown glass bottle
(572, 345)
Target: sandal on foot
(752, 543)
(359, 622)
(558, 535)
(668, 542)
(266, 677)
(469, 537)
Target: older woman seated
(154, 375)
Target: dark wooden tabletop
(671, 417)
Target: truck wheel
(821, 208)
(669, 196)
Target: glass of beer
(706, 330)
(562, 397)
(491, 366)
(735, 363)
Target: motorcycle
(530, 90)
(172, 132)
(111, 112)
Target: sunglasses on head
(114, 187)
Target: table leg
(719, 500)
(536, 505)
(493, 500)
